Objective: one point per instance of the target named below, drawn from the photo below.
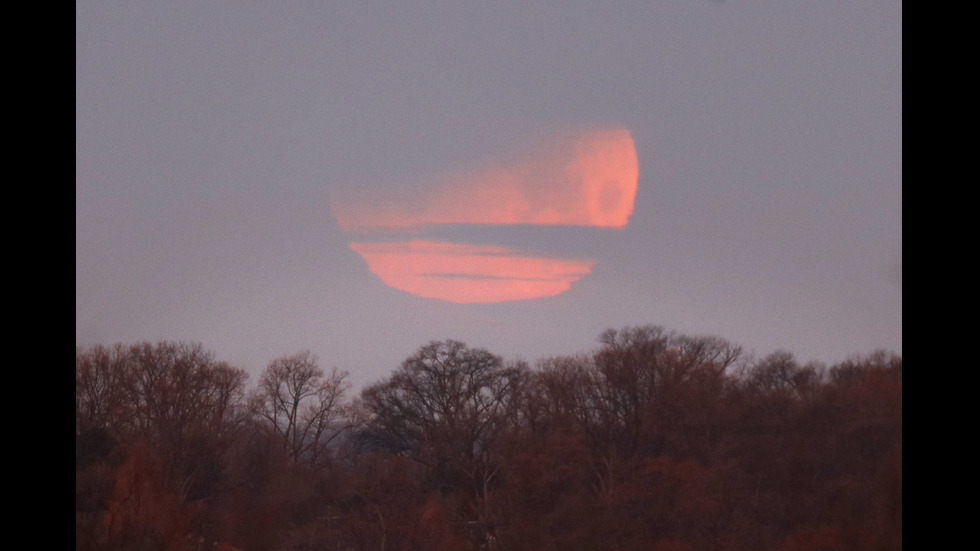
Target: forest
(654, 440)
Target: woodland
(654, 440)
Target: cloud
(469, 273)
(587, 178)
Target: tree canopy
(653, 440)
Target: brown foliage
(653, 441)
(142, 514)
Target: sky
(360, 178)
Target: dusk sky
(360, 178)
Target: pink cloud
(588, 178)
(469, 273)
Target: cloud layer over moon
(587, 178)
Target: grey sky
(211, 138)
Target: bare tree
(100, 399)
(645, 388)
(446, 396)
(172, 398)
(780, 374)
(446, 407)
(187, 404)
(180, 387)
(302, 405)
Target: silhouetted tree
(101, 400)
(650, 392)
(447, 406)
(302, 405)
(154, 422)
(185, 403)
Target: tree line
(654, 440)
